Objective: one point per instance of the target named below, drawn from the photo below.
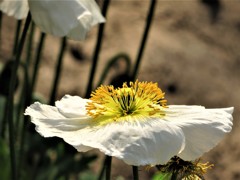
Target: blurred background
(192, 51)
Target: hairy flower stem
(9, 109)
(144, 38)
(135, 172)
(97, 50)
(58, 70)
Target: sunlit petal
(147, 141)
(72, 106)
(137, 144)
(50, 122)
(203, 128)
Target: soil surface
(192, 52)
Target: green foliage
(51, 159)
(5, 160)
(162, 176)
(87, 176)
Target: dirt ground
(192, 52)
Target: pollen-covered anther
(139, 98)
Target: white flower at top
(71, 18)
(133, 123)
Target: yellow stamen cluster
(185, 170)
(138, 98)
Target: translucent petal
(186, 131)
(138, 142)
(94, 9)
(203, 128)
(17, 8)
(72, 18)
(149, 141)
(72, 106)
(50, 122)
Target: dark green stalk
(97, 50)
(37, 62)
(108, 167)
(135, 172)
(9, 109)
(16, 38)
(174, 176)
(26, 76)
(144, 38)
(0, 30)
(30, 44)
(24, 102)
(58, 70)
(102, 170)
(111, 63)
(104, 166)
(4, 120)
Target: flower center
(137, 99)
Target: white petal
(151, 142)
(72, 106)
(71, 18)
(203, 128)
(50, 122)
(17, 8)
(92, 7)
(142, 142)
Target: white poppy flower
(133, 123)
(71, 18)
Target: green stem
(58, 70)
(108, 167)
(0, 30)
(112, 61)
(174, 176)
(25, 66)
(9, 109)
(4, 120)
(37, 62)
(135, 172)
(144, 38)
(30, 44)
(97, 50)
(25, 100)
(102, 169)
(17, 33)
